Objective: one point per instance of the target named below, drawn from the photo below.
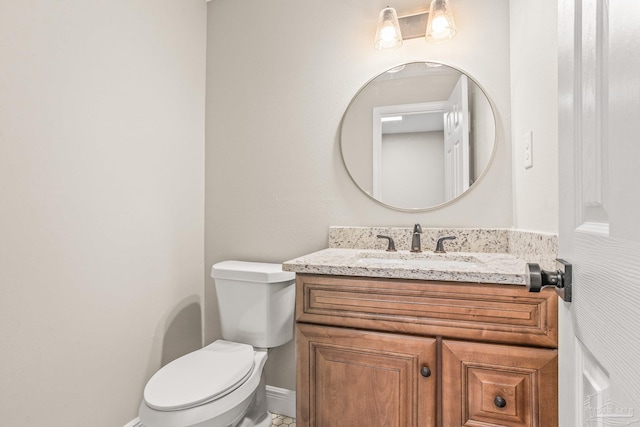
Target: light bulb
(388, 34)
(440, 25)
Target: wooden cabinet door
(351, 378)
(487, 385)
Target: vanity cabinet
(414, 353)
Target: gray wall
(534, 104)
(280, 75)
(101, 203)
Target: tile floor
(282, 421)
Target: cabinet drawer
(497, 385)
(482, 312)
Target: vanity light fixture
(388, 35)
(435, 24)
(441, 26)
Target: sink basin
(420, 259)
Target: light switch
(528, 150)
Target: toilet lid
(199, 377)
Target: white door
(599, 169)
(456, 140)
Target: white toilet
(221, 385)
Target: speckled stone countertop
(474, 267)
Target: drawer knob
(425, 372)
(500, 402)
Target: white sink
(418, 260)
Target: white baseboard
(281, 401)
(134, 423)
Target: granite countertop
(475, 267)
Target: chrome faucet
(415, 239)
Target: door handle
(537, 279)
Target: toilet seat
(220, 412)
(200, 377)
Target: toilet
(221, 385)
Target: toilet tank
(256, 302)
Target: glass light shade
(388, 35)
(440, 26)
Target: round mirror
(418, 136)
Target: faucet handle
(392, 246)
(440, 245)
(416, 246)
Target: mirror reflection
(418, 135)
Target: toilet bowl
(221, 385)
(167, 406)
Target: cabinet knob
(500, 402)
(425, 371)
